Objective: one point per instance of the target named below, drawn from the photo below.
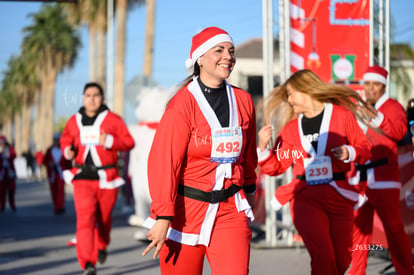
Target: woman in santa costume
(381, 177)
(201, 167)
(319, 135)
(93, 137)
(55, 164)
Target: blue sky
(176, 23)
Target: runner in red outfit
(381, 175)
(93, 137)
(55, 163)
(201, 167)
(319, 136)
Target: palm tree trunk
(43, 115)
(49, 111)
(48, 107)
(7, 128)
(101, 58)
(26, 126)
(38, 122)
(17, 133)
(100, 25)
(121, 19)
(149, 40)
(25, 122)
(92, 57)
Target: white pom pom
(189, 64)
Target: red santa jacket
(55, 163)
(180, 154)
(391, 122)
(338, 127)
(7, 169)
(118, 139)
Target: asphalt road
(34, 241)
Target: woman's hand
(102, 138)
(157, 235)
(70, 154)
(265, 135)
(368, 113)
(340, 152)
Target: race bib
(89, 135)
(226, 144)
(318, 170)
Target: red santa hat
(376, 73)
(204, 41)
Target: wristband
(164, 218)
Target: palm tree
(55, 43)
(149, 40)
(121, 20)
(400, 53)
(9, 102)
(25, 85)
(92, 13)
(100, 26)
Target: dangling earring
(199, 62)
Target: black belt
(336, 176)
(89, 167)
(211, 197)
(362, 168)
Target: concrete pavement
(33, 241)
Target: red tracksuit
(94, 194)
(7, 178)
(55, 164)
(322, 213)
(181, 156)
(383, 192)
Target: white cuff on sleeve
(109, 141)
(376, 122)
(351, 152)
(275, 204)
(262, 155)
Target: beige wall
(249, 67)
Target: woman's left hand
(156, 235)
(340, 152)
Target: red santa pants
(93, 207)
(324, 219)
(228, 252)
(7, 187)
(57, 192)
(386, 202)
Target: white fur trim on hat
(203, 48)
(375, 77)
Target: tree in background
(21, 82)
(122, 7)
(55, 44)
